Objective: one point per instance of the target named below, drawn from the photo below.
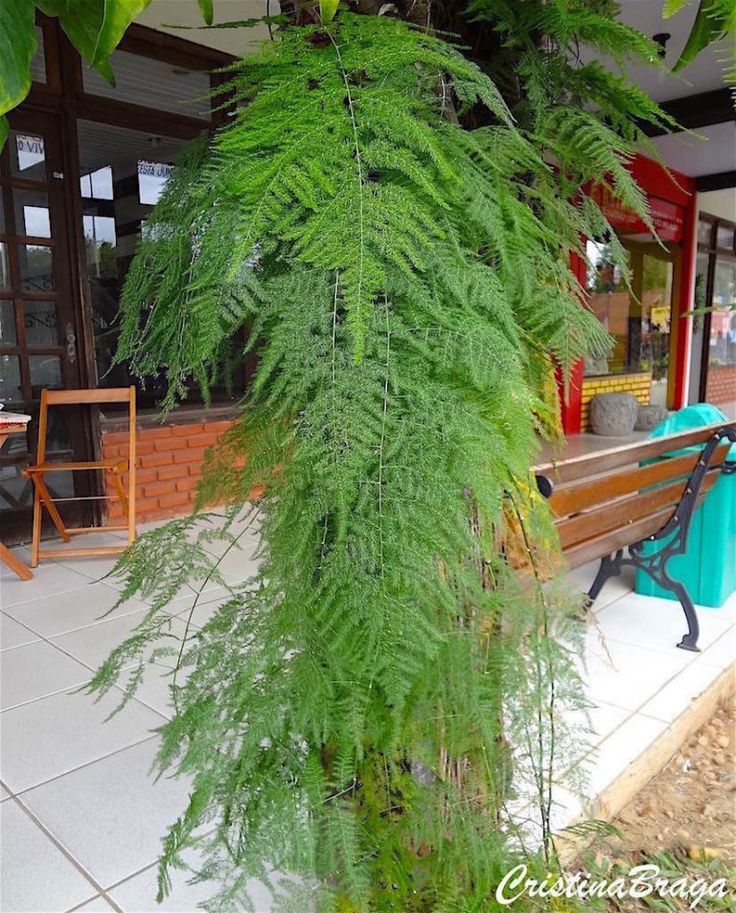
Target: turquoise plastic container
(708, 567)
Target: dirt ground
(684, 821)
(691, 804)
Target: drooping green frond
(354, 715)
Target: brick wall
(637, 384)
(170, 460)
(721, 387)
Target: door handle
(71, 344)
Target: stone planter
(649, 417)
(613, 414)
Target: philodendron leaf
(117, 16)
(18, 44)
(714, 19)
(207, 11)
(95, 27)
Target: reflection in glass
(2, 213)
(32, 213)
(99, 243)
(654, 318)
(10, 389)
(132, 166)
(41, 323)
(705, 231)
(724, 237)
(722, 342)
(38, 64)
(7, 324)
(45, 371)
(608, 298)
(97, 184)
(27, 156)
(638, 318)
(36, 268)
(4, 271)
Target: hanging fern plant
(350, 714)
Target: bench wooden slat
(584, 495)
(609, 543)
(624, 512)
(590, 464)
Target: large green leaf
(95, 27)
(118, 14)
(18, 44)
(714, 19)
(207, 11)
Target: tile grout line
(639, 711)
(69, 688)
(93, 624)
(85, 582)
(151, 865)
(110, 754)
(62, 848)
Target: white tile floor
(81, 818)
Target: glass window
(153, 83)
(4, 269)
(45, 371)
(10, 388)
(41, 323)
(638, 318)
(724, 237)
(32, 213)
(127, 171)
(705, 232)
(27, 156)
(7, 324)
(36, 267)
(97, 184)
(38, 64)
(608, 298)
(721, 342)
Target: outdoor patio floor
(82, 819)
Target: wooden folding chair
(116, 467)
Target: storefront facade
(648, 319)
(82, 168)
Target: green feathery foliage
(352, 714)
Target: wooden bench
(635, 496)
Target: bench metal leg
(656, 567)
(610, 567)
(659, 575)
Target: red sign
(668, 218)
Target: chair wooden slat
(88, 464)
(37, 472)
(100, 396)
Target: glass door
(38, 334)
